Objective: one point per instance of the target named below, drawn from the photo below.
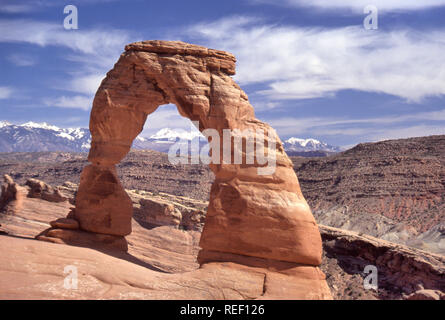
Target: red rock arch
(249, 215)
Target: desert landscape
(218, 155)
(169, 213)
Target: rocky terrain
(162, 251)
(367, 189)
(143, 170)
(393, 190)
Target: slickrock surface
(163, 248)
(102, 276)
(161, 261)
(163, 209)
(160, 264)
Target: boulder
(159, 213)
(11, 197)
(192, 218)
(39, 189)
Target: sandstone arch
(262, 217)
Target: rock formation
(254, 220)
(11, 196)
(166, 209)
(39, 189)
(160, 213)
(403, 272)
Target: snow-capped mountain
(4, 124)
(32, 136)
(306, 145)
(166, 137)
(168, 134)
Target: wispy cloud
(77, 102)
(5, 92)
(16, 8)
(26, 6)
(84, 83)
(298, 63)
(358, 5)
(93, 51)
(91, 41)
(366, 129)
(21, 60)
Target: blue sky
(310, 68)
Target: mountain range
(33, 137)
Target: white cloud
(16, 8)
(77, 102)
(406, 132)
(364, 129)
(359, 5)
(90, 52)
(5, 92)
(22, 60)
(90, 41)
(297, 63)
(86, 84)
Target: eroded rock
(65, 223)
(39, 189)
(260, 216)
(102, 205)
(84, 239)
(11, 197)
(427, 295)
(159, 213)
